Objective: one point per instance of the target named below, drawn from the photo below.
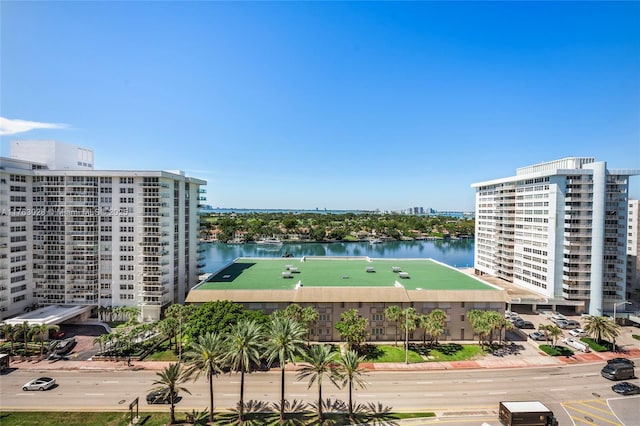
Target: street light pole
(615, 305)
(406, 336)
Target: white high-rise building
(559, 230)
(633, 253)
(93, 237)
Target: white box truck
(526, 413)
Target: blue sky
(357, 105)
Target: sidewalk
(488, 362)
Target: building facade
(633, 250)
(559, 230)
(99, 238)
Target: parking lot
(623, 341)
(84, 335)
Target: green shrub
(604, 346)
(556, 350)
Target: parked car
(41, 384)
(524, 324)
(621, 361)
(160, 397)
(576, 344)
(626, 388)
(63, 347)
(577, 332)
(558, 317)
(510, 315)
(537, 335)
(567, 324)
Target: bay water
(456, 253)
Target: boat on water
(269, 241)
(375, 241)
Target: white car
(576, 344)
(577, 332)
(41, 384)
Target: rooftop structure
(333, 285)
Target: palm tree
(309, 316)
(244, 343)
(350, 372)
(320, 360)
(169, 383)
(22, 330)
(495, 320)
(285, 341)
(480, 325)
(601, 328)
(42, 331)
(8, 333)
(168, 327)
(411, 318)
(393, 313)
(206, 357)
(293, 311)
(554, 332)
(437, 320)
(99, 340)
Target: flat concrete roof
(342, 279)
(50, 315)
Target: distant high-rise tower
(559, 230)
(633, 253)
(77, 236)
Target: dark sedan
(524, 324)
(621, 361)
(160, 397)
(626, 388)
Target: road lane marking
(94, 394)
(110, 381)
(539, 377)
(424, 383)
(497, 393)
(558, 389)
(432, 394)
(484, 381)
(593, 416)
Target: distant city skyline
(328, 105)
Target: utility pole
(406, 336)
(615, 305)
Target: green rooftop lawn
(266, 274)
